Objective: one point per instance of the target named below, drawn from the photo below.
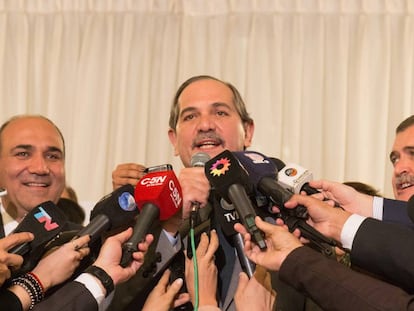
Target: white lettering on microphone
(153, 181)
(175, 194)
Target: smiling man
(32, 166)
(402, 158)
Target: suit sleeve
(74, 296)
(335, 287)
(9, 301)
(396, 212)
(386, 250)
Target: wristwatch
(102, 276)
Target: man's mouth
(36, 184)
(207, 144)
(404, 181)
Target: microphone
(263, 174)
(227, 217)
(113, 211)
(295, 178)
(198, 159)
(45, 221)
(158, 196)
(230, 180)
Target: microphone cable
(193, 221)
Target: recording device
(263, 174)
(45, 221)
(113, 211)
(197, 160)
(158, 195)
(230, 180)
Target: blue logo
(127, 202)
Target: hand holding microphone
(158, 196)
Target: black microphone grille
(199, 159)
(410, 208)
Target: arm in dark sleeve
(9, 301)
(74, 296)
(395, 211)
(386, 250)
(335, 287)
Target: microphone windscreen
(224, 170)
(45, 221)
(199, 159)
(278, 163)
(257, 163)
(161, 189)
(119, 206)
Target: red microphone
(158, 195)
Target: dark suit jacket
(396, 212)
(335, 287)
(74, 296)
(387, 250)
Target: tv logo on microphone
(42, 216)
(174, 194)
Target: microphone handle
(149, 213)
(21, 249)
(245, 209)
(245, 263)
(95, 228)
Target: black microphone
(263, 174)
(158, 196)
(113, 211)
(230, 181)
(227, 216)
(45, 221)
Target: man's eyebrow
(31, 147)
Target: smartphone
(159, 168)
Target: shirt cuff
(377, 208)
(92, 285)
(350, 229)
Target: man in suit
(375, 246)
(330, 284)
(207, 115)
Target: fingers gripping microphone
(230, 180)
(113, 211)
(158, 196)
(263, 174)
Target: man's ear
(172, 135)
(248, 133)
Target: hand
(127, 173)
(163, 296)
(59, 265)
(111, 252)
(195, 187)
(348, 198)
(207, 271)
(11, 261)
(256, 293)
(326, 219)
(280, 243)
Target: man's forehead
(206, 90)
